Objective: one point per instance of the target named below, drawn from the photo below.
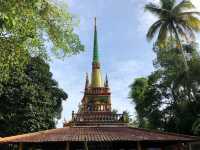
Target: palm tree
(175, 21)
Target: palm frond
(183, 31)
(153, 30)
(185, 4)
(188, 31)
(163, 34)
(176, 20)
(188, 13)
(167, 4)
(193, 22)
(154, 9)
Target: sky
(124, 51)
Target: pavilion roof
(97, 134)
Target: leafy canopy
(168, 99)
(26, 26)
(30, 101)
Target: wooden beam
(67, 146)
(139, 146)
(20, 146)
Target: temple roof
(98, 134)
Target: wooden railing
(98, 118)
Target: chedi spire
(96, 72)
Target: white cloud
(196, 3)
(122, 74)
(145, 19)
(71, 3)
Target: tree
(174, 21)
(30, 101)
(165, 100)
(26, 26)
(145, 98)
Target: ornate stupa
(96, 103)
(97, 93)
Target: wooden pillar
(67, 146)
(139, 146)
(190, 146)
(20, 146)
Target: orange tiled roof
(97, 134)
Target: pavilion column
(20, 146)
(67, 146)
(190, 146)
(139, 146)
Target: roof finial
(86, 81)
(95, 21)
(106, 81)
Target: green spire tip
(95, 49)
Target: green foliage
(173, 18)
(114, 111)
(30, 100)
(25, 27)
(175, 21)
(126, 117)
(144, 94)
(169, 99)
(196, 127)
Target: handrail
(98, 117)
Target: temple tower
(95, 108)
(97, 92)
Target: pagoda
(97, 92)
(96, 102)
(96, 127)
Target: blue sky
(125, 53)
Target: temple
(96, 103)
(96, 127)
